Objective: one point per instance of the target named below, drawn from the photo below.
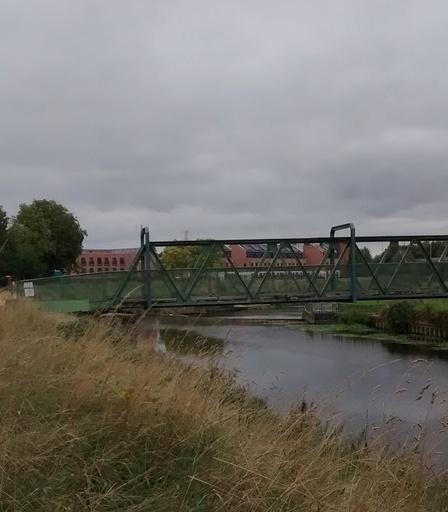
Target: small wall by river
(419, 329)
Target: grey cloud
(226, 118)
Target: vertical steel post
(353, 263)
(147, 266)
(333, 253)
(353, 288)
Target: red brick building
(105, 260)
(244, 255)
(313, 254)
(251, 255)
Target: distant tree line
(43, 237)
(395, 252)
(190, 256)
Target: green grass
(376, 306)
(354, 319)
(348, 329)
(435, 304)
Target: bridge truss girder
(345, 272)
(347, 268)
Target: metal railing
(343, 268)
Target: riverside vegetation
(91, 421)
(398, 318)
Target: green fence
(83, 292)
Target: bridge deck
(350, 268)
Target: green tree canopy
(3, 224)
(395, 251)
(190, 256)
(367, 254)
(392, 253)
(3, 229)
(21, 258)
(45, 236)
(4, 256)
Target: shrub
(399, 317)
(351, 317)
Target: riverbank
(91, 421)
(354, 322)
(360, 331)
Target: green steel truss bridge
(351, 268)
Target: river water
(362, 384)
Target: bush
(399, 317)
(352, 316)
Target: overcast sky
(227, 118)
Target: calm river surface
(358, 382)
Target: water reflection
(362, 382)
(432, 351)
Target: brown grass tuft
(90, 423)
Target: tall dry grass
(90, 423)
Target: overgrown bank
(401, 321)
(90, 423)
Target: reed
(91, 421)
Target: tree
(395, 252)
(45, 237)
(4, 256)
(435, 249)
(367, 255)
(190, 256)
(399, 317)
(21, 258)
(3, 224)
(391, 254)
(3, 228)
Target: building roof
(110, 251)
(261, 249)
